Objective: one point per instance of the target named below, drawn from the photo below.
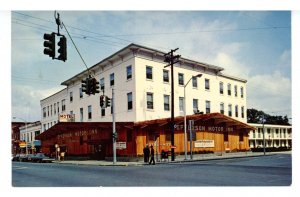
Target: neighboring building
(275, 135)
(15, 137)
(142, 87)
(28, 132)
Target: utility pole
(264, 141)
(114, 129)
(171, 59)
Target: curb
(164, 163)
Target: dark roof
(217, 117)
(63, 127)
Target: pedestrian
(152, 155)
(144, 151)
(147, 153)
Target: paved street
(274, 170)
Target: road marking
(19, 168)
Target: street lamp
(263, 123)
(25, 133)
(185, 136)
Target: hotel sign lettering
(66, 118)
(77, 133)
(204, 128)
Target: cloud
(270, 93)
(26, 101)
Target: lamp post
(264, 141)
(185, 136)
(25, 133)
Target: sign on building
(204, 144)
(121, 145)
(66, 118)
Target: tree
(254, 116)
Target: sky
(253, 45)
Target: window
(129, 136)
(207, 104)
(81, 114)
(206, 84)
(80, 93)
(181, 106)
(229, 110)
(89, 112)
(225, 136)
(180, 78)
(236, 111)
(63, 105)
(48, 110)
(112, 79)
(241, 137)
(102, 112)
(254, 134)
(222, 108)
(129, 100)
(102, 84)
(258, 133)
(57, 107)
(242, 112)
(51, 110)
(194, 81)
(221, 88)
(54, 107)
(129, 72)
(149, 72)
(242, 92)
(166, 76)
(235, 91)
(149, 100)
(229, 89)
(44, 112)
(195, 104)
(71, 96)
(166, 102)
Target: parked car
(41, 158)
(19, 157)
(29, 157)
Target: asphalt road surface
(275, 170)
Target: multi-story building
(28, 132)
(275, 135)
(142, 87)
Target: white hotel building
(142, 87)
(275, 136)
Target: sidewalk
(178, 159)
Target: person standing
(146, 152)
(152, 155)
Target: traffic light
(86, 85)
(94, 86)
(115, 136)
(101, 101)
(49, 43)
(62, 49)
(107, 101)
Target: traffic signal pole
(171, 59)
(114, 128)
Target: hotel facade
(142, 88)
